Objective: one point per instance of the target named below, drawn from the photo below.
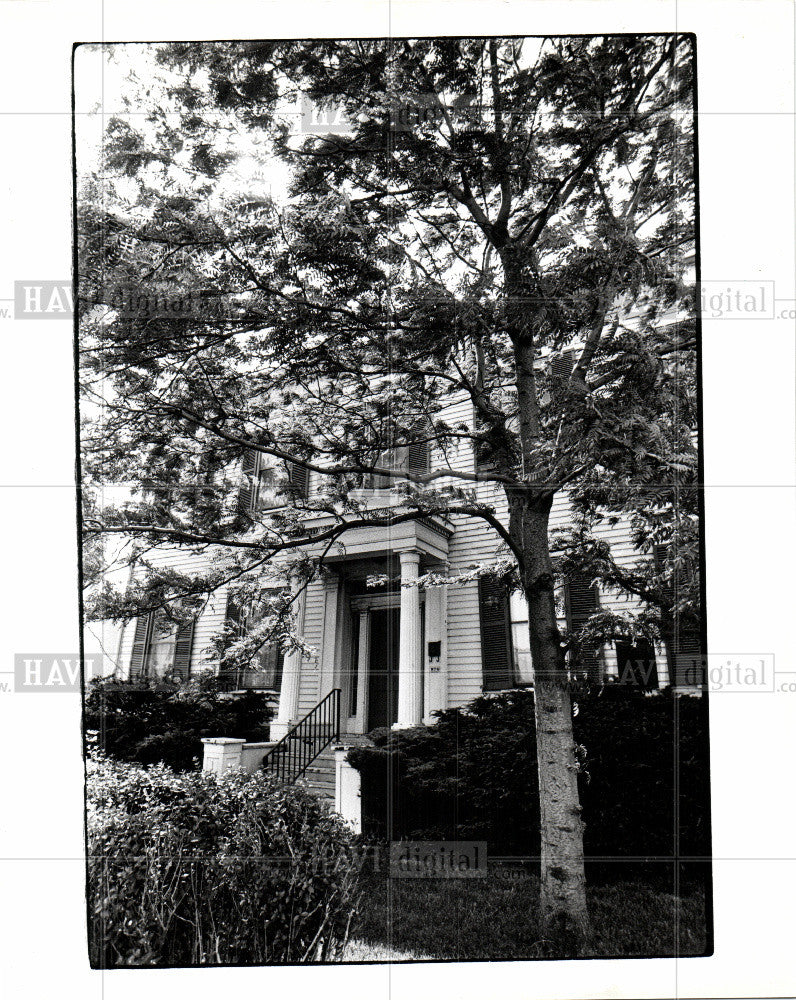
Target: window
(261, 487)
(520, 637)
(636, 664)
(482, 448)
(264, 671)
(413, 458)
(160, 647)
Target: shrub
(157, 723)
(191, 869)
(473, 776)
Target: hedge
(473, 776)
(190, 869)
(156, 723)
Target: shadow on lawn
(494, 917)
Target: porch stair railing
(289, 759)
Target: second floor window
(413, 458)
(264, 485)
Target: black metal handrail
(289, 759)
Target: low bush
(159, 723)
(190, 869)
(643, 782)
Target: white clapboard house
(390, 655)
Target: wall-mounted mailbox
(434, 651)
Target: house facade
(397, 652)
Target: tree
(488, 203)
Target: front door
(383, 667)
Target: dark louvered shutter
(684, 652)
(561, 365)
(688, 658)
(140, 642)
(582, 603)
(496, 655)
(247, 484)
(233, 631)
(183, 646)
(417, 461)
(659, 555)
(299, 477)
(234, 622)
(636, 665)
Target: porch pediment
(426, 534)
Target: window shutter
(659, 556)
(140, 643)
(688, 670)
(299, 477)
(183, 646)
(582, 603)
(417, 461)
(636, 665)
(561, 365)
(496, 656)
(247, 485)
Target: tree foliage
(337, 323)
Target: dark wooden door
(383, 667)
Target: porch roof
(427, 534)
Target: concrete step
(320, 775)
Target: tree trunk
(563, 916)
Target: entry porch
(384, 646)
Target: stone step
(320, 775)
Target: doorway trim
(362, 605)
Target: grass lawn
(494, 918)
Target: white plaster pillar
(331, 641)
(222, 754)
(410, 662)
(347, 796)
(287, 713)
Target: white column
(331, 641)
(410, 663)
(363, 669)
(289, 692)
